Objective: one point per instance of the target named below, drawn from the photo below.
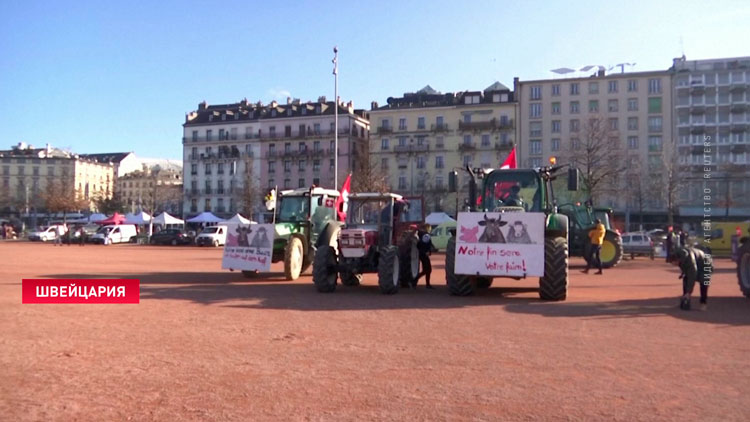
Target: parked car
(215, 235)
(171, 237)
(44, 234)
(121, 233)
(638, 243)
(441, 233)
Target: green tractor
(300, 217)
(581, 218)
(504, 193)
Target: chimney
(600, 73)
(202, 105)
(322, 99)
(288, 100)
(373, 105)
(274, 104)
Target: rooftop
(429, 97)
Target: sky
(95, 76)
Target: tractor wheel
(388, 270)
(554, 284)
(484, 282)
(349, 278)
(408, 260)
(293, 257)
(611, 253)
(324, 271)
(250, 274)
(458, 285)
(743, 269)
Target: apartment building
(417, 139)
(152, 189)
(235, 150)
(712, 128)
(27, 172)
(634, 112)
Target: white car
(44, 235)
(215, 236)
(638, 243)
(120, 233)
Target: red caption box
(81, 291)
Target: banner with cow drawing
(249, 247)
(500, 244)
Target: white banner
(249, 247)
(500, 244)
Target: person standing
(669, 243)
(81, 236)
(59, 233)
(596, 237)
(696, 267)
(683, 238)
(425, 248)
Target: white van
(214, 235)
(45, 234)
(121, 233)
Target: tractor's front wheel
(554, 284)
(324, 269)
(743, 269)
(349, 278)
(611, 252)
(484, 282)
(408, 259)
(293, 257)
(458, 284)
(388, 270)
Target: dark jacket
(424, 243)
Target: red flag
(510, 162)
(342, 202)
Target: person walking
(670, 243)
(596, 237)
(696, 267)
(59, 233)
(684, 238)
(425, 248)
(81, 236)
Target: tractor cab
(371, 221)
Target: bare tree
(109, 205)
(248, 195)
(63, 197)
(369, 176)
(598, 155)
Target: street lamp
(336, 117)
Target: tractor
(743, 265)
(300, 216)
(581, 219)
(504, 193)
(379, 236)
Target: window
(612, 87)
(485, 140)
(632, 104)
(535, 110)
(556, 108)
(535, 162)
(575, 107)
(535, 146)
(420, 140)
(209, 135)
(316, 128)
(287, 166)
(402, 182)
(614, 123)
(287, 183)
(332, 127)
(654, 86)
(612, 106)
(332, 146)
(439, 121)
(535, 93)
(632, 142)
(467, 118)
(654, 143)
(535, 129)
(632, 85)
(316, 165)
(439, 142)
(402, 124)
(220, 168)
(439, 182)
(384, 164)
(193, 169)
(574, 88)
(555, 90)
(467, 139)
(220, 186)
(421, 162)
(632, 123)
(556, 126)
(575, 125)
(208, 186)
(593, 106)
(555, 144)
(593, 87)
(654, 124)
(287, 147)
(575, 144)
(302, 165)
(222, 134)
(195, 135)
(654, 105)
(301, 183)
(208, 169)
(207, 205)
(331, 163)
(384, 144)
(402, 141)
(439, 162)
(420, 122)
(272, 166)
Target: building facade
(154, 190)
(417, 139)
(28, 173)
(626, 117)
(233, 153)
(712, 128)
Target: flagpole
(336, 118)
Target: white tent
(205, 217)
(139, 218)
(90, 219)
(240, 219)
(166, 219)
(437, 218)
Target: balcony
(439, 128)
(492, 125)
(504, 146)
(402, 148)
(737, 107)
(654, 148)
(382, 130)
(421, 148)
(467, 147)
(737, 87)
(738, 126)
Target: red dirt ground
(206, 344)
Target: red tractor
(379, 236)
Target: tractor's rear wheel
(408, 259)
(293, 257)
(250, 274)
(554, 284)
(484, 282)
(743, 269)
(458, 285)
(611, 253)
(388, 270)
(324, 269)
(349, 278)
